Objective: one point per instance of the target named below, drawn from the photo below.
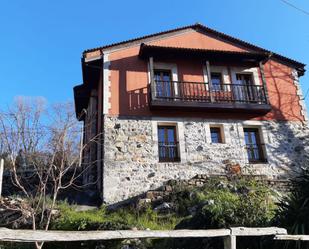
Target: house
(188, 101)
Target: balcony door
(253, 145)
(168, 144)
(164, 84)
(243, 87)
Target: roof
(199, 27)
(147, 51)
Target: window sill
(259, 162)
(170, 161)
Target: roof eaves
(207, 29)
(139, 38)
(143, 45)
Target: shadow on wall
(138, 99)
(291, 150)
(282, 92)
(132, 85)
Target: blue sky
(42, 41)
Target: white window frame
(180, 136)
(224, 130)
(166, 66)
(263, 138)
(217, 69)
(243, 70)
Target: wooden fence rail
(292, 237)
(229, 235)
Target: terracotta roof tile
(201, 27)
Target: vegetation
(101, 219)
(42, 151)
(220, 204)
(293, 212)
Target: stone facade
(131, 162)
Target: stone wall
(131, 164)
(160, 195)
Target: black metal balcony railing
(168, 152)
(256, 153)
(202, 92)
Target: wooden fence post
(230, 242)
(1, 175)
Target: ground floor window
(215, 134)
(254, 146)
(168, 144)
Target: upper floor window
(216, 80)
(244, 79)
(253, 145)
(168, 144)
(164, 86)
(244, 90)
(215, 134)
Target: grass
(217, 204)
(101, 219)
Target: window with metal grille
(253, 145)
(168, 144)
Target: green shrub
(293, 211)
(221, 204)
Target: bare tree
(43, 152)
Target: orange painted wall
(129, 79)
(197, 40)
(282, 92)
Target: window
(253, 145)
(163, 81)
(216, 80)
(244, 79)
(243, 88)
(168, 144)
(215, 133)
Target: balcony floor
(214, 106)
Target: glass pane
(157, 76)
(247, 79)
(239, 79)
(247, 137)
(253, 137)
(244, 79)
(168, 146)
(159, 88)
(166, 76)
(216, 81)
(167, 88)
(163, 83)
(215, 135)
(170, 135)
(161, 136)
(252, 144)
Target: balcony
(168, 152)
(226, 97)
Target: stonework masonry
(131, 161)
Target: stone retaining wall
(131, 164)
(162, 193)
